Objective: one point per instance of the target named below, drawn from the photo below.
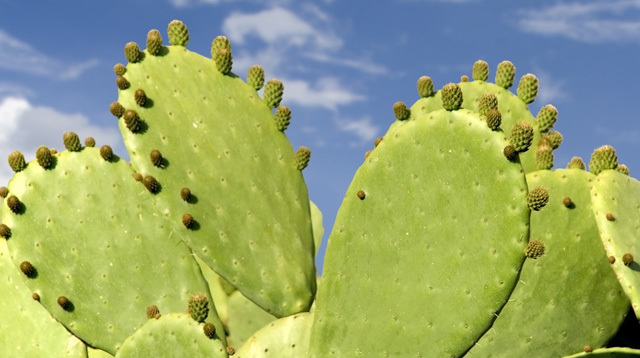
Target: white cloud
(595, 21)
(279, 27)
(363, 65)
(185, 3)
(362, 128)
(16, 55)
(327, 93)
(26, 127)
(550, 89)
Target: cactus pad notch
(220, 140)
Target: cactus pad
(249, 207)
(285, 338)
(101, 230)
(616, 200)
(405, 258)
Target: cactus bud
(510, 153)
(5, 231)
(401, 111)
(546, 118)
(528, 88)
(106, 152)
(521, 136)
(178, 33)
(425, 86)
(185, 194)
(27, 269)
(156, 158)
(220, 42)
(89, 142)
(480, 71)
(151, 184)
(132, 120)
(451, 97)
(198, 307)
(43, 156)
(140, 97)
(494, 119)
(16, 161)
(3, 192)
(576, 163)
(119, 69)
(273, 93)
(282, 118)
(537, 198)
(154, 42)
(14, 204)
(255, 77)
(122, 83)
(64, 303)
(71, 142)
(132, 52)
(116, 109)
(534, 249)
(627, 259)
(544, 157)
(152, 311)
(602, 159)
(209, 330)
(302, 157)
(223, 60)
(505, 74)
(377, 141)
(623, 169)
(487, 102)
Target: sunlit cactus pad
(99, 251)
(173, 335)
(616, 205)
(422, 253)
(208, 131)
(287, 337)
(551, 310)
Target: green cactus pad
(406, 258)
(173, 335)
(318, 227)
(28, 330)
(249, 203)
(285, 338)
(101, 251)
(557, 308)
(245, 318)
(97, 353)
(616, 200)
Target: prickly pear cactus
(228, 178)
(550, 310)
(408, 256)
(88, 240)
(286, 337)
(173, 335)
(499, 106)
(616, 200)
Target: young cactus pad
(616, 204)
(287, 337)
(550, 310)
(406, 256)
(248, 208)
(172, 335)
(99, 251)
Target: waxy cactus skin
(456, 238)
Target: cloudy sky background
(343, 63)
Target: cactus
(431, 252)
(456, 237)
(216, 138)
(174, 335)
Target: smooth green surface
(174, 335)
(420, 266)
(27, 329)
(318, 228)
(557, 308)
(97, 353)
(96, 236)
(619, 195)
(245, 318)
(219, 139)
(287, 337)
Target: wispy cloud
(593, 21)
(19, 56)
(25, 127)
(362, 128)
(327, 93)
(551, 89)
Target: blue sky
(343, 63)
